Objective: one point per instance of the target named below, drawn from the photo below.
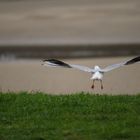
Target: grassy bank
(69, 117)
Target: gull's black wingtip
(57, 62)
(52, 60)
(134, 60)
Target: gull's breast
(97, 76)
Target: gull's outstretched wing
(114, 66)
(55, 63)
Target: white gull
(97, 72)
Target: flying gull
(97, 72)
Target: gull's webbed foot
(92, 86)
(102, 87)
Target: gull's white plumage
(97, 72)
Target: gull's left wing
(114, 66)
(55, 63)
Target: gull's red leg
(101, 84)
(92, 85)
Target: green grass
(69, 117)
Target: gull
(97, 72)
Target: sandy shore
(31, 76)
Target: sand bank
(31, 76)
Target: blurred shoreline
(68, 51)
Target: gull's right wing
(128, 62)
(55, 63)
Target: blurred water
(69, 22)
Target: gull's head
(96, 68)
